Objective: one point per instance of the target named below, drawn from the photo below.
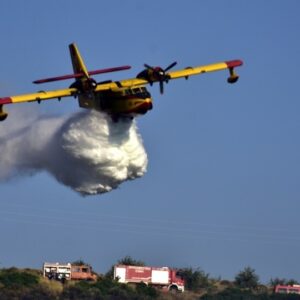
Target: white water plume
(87, 151)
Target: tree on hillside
(292, 281)
(277, 281)
(195, 279)
(282, 281)
(247, 278)
(128, 261)
(80, 262)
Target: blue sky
(222, 187)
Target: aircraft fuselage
(120, 102)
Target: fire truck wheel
(173, 289)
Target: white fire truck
(164, 277)
(68, 271)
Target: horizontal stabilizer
(80, 75)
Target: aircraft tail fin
(81, 74)
(77, 61)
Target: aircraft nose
(145, 106)
(149, 103)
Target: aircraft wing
(147, 78)
(57, 94)
(39, 96)
(189, 71)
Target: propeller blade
(161, 87)
(170, 66)
(148, 67)
(160, 74)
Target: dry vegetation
(28, 284)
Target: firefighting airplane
(120, 99)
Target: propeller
(161, 74)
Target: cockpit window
(138, 91)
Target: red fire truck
(287, 289)
(164, 277)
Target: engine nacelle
(233, 76)
(3, 114)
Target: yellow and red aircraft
(119, 99)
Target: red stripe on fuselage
(141, 109)
(5, 100)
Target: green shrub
(195, 279)
(247, 278)
(128, 261)
(12, 278)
